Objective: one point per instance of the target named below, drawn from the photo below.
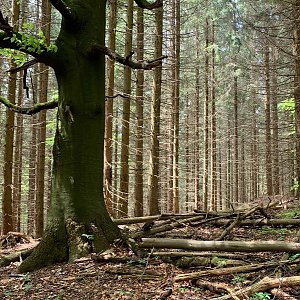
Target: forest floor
(146, 278)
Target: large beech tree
(78, 222)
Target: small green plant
(261, 296)
(238, 279)
(27, 287)
(294, 256)
(219, 262)
(271, 230)
(8, 293)
(293, 213)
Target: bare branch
(147, 5)
(146, 65)
(118, 95)
(28, 110)
(62, 8)
(23, 67)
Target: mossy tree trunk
(78, 221)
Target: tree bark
(155, 120)
(226, 246)
(78, 222)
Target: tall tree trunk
(236, 139)
(214, 173)
(254, 148)
(269, 177)
(18, 156)
(124, 176)
(275, 121)
(197, 128)
(109, 111)
(7, 213)
(296, 20)
(77, 208)
(206, 121)
(32, 162)
(155, 119)
(41, 152)
(139, 172)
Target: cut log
(222, 246)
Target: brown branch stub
(145, 65)
(28, 110)
(147, 5)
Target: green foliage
(287, 105)
(28, 41)
(27, 287)
(261, 296)
(294, 256)
(295, 185)
(293, 213)
(139, 262)
(277, 231)
(19, 58)
(238, 279)
(219, 262)
(8, 293)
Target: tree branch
(23, 67)
(147, 5)
(62, 8)
(146, 65)
(42, 55)
(28, 110)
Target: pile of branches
(232, 255)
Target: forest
(152, 146)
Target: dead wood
(281, 295)
(137, 220)
(215, 287)
(13, 257)
(176, 223)
(265, 284)
(203, 254)
(13, 238)
(233, 270)
(241, 217)
(260, 222)
(192, 262)
(222, 246)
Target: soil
(143, 279)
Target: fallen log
(137, 220)
(168, 227)
(263, 285)
(279, 294)
(16, 256)
(260, 222)
(232, 270)
(222, 246)
(203, 254)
